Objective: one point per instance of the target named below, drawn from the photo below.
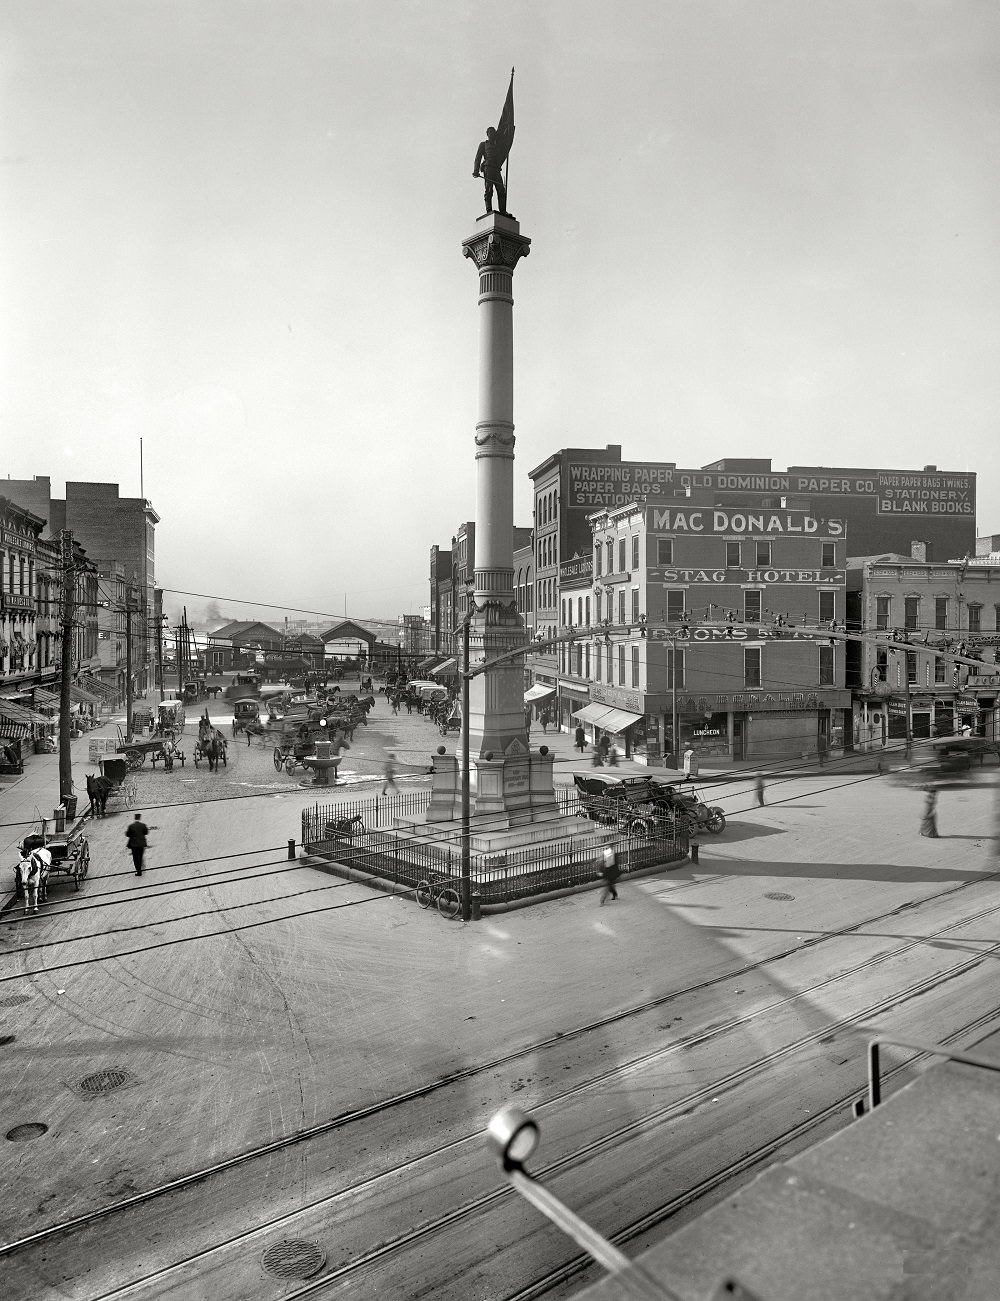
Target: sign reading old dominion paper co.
(883, 510)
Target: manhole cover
(21, 1133)
(778, 894)
(104, 1081)
(293, 1259)
(14, 1000)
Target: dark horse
(215, 749)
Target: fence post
(291, 848)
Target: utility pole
(128, 662)
(159, 650)
(66, 666)
(466, 828)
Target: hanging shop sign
(734, 632)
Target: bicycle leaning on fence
(440, 890)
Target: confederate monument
(509, 782)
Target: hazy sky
(233, 228)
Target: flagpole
(506, 179)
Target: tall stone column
(496, 726)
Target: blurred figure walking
(610, 873)
(928, 823)
(760, 789)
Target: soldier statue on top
(493, 152)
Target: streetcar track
(652, 1119)
(692, 1195)
(608, 1141)
(559, 1038)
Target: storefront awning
(618, 720)
(538, 692)
(16, 713)
(591, 713)
(45, 699)
(603, 716)
(100, 689)
(425, 664)
(82, 697)
(449, 666)
(13, 731)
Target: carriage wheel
(135, 759)
(290, 764)
(279, 759)
(129, 791)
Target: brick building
(109, 528)
(710, 616)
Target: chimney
(918, 550)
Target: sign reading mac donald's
(740, 523)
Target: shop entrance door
(739, 737)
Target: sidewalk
(34, 794)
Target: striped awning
(16, 713)
(13, 731)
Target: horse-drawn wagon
(113, 785)
(70, 855)
(246, 716)
(211, 747)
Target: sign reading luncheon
(741, 523)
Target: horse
(215, 749)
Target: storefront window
(708, 735)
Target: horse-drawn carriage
(211, 748)
(135, 749)
(70, 854)
(113, 785)
(246, 716)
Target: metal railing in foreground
(512, 1136)
(392, 855)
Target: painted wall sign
(617, 483)
(737, 577)
(734, 632)
(753, 523)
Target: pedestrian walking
(580, 737)
(613, 757)
(136, 833)
(598, 758)
(545, 720)
(610, 873)
(389, 776)
(690, 763)
(760, 789)
(928, 823)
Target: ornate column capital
(495, 250)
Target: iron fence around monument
(399, 858)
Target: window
(941, 613)
(882, 611)
(597, 663)
(621, 665)
(882, 665)
(621, 555)
(827, 606)
(635, 605)
(940, 669)
(751, 607)
(586, 611)
(763, 554)
(911, 613)
(996, 621)
(621, 606)
(675, 661)
(610, 675)
(635, 666)
(829, 555)
(579, 609)
(975, 618)
(826, 666)
(597, 559)
(751, 668)
(635, 551)
(664, 551)
(911, 666)
(734, 556)
(675, 604)
(579, 661)
(587, 657)
(597, 606)
(562, 606)
(610, 555)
